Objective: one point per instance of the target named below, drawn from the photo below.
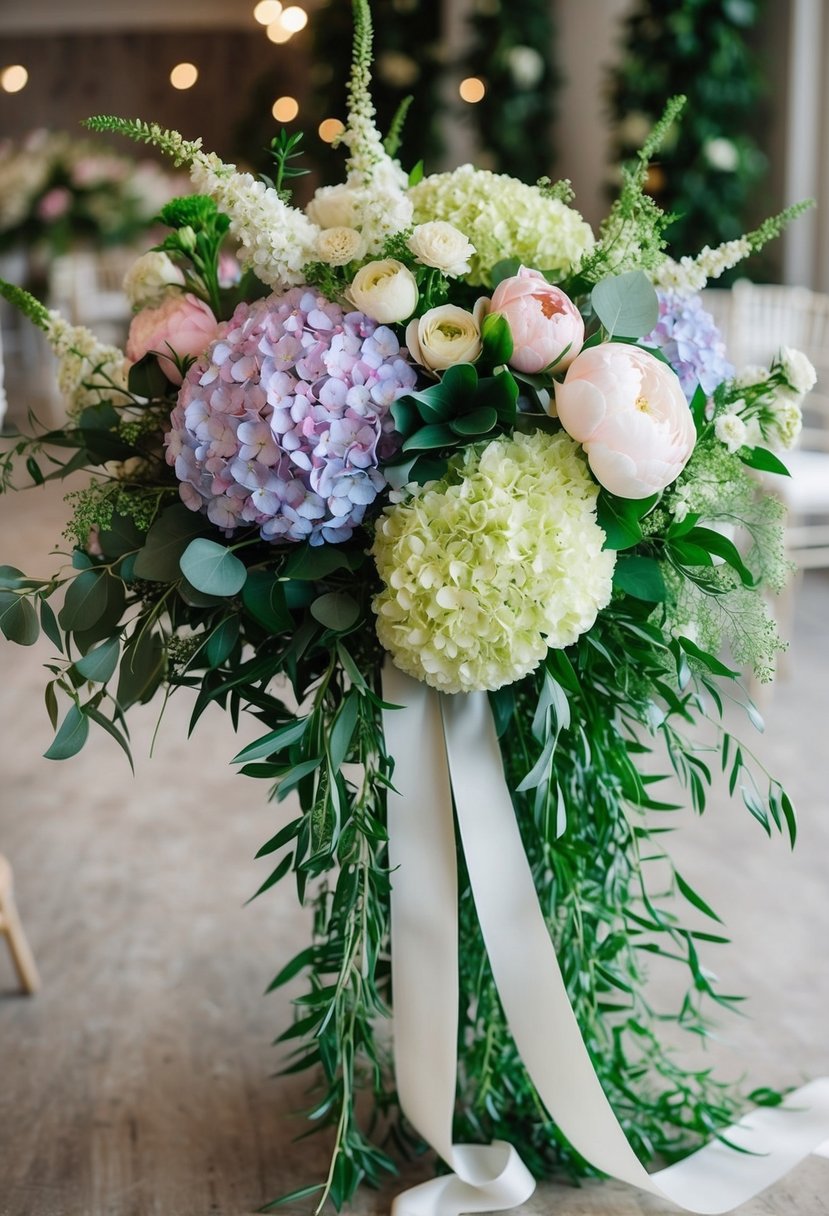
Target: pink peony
(182, 324)
(628, 410)
(543, 321)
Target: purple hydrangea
(282, 422)
(689, 339)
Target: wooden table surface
(140, 1080)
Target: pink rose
(629, 411)
(543, 321)
(181, 324)
(55, 203)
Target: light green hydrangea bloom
(503, 218)
(488, 567)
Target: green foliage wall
(710, 169)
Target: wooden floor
(139, 1081)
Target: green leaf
(86, 601)
(146, 379)
(71, 737)
(476, 422)
(619, 519)
(715, 542)
(111, 729)
(420, 468)
(298, 773)
(763, 459)
(709, 660)
(640, 577)
(336, 610)
(626, 304)
(142, 665)
(12, 579)
(342, 730)
(18, 619)
(695, 899)
(34, 471)
(263, 596)
(49, 624)
(314, 562)
(166, 541)
(496, 338)
(99, 664)
(305, 958)
(121, 537)
(275, 741)
(505, 269)
(415, 175)
(437, 435)
(222, 640)
(212, 568)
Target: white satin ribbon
(431, 737)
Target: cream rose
(333, 207)
(384, 290)
(150, 278)
(339, 246)
(446, 335)
(442, 246)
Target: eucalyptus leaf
(99, 664)
(73, 733)
(166, 541)
(626, 304)
(18, 619)
(336, 610)
(142, 664)
(212, 568)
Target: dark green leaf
(695, 899)
(507, 268)
(476, 422)
(342, 730)
(166, 540)
(222, 640)
(99, 664)
(264, 598)
(146, 379)
(18, 619)
(763, 459)
(34, 471)
(275, 741)
(497, 340)
(142, 665)
(640, 577)
(619, 519)
(336, 610)
(437, 435)
(49, 624)
(212, 568)
(317, 561)
(121, 537)
(111, 729)
(715, 542)
(71, 737)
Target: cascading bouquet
(460, 503)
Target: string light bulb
(277, 33)
(329, 129)
(472, 89)
(294, 19)
(13, 78)
(184, 75)
(267, 11)
(285, 109)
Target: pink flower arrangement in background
(628, 410)
(545, 324)
(54, 204)
(283, 421)
(182, 326)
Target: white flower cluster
(373, 201)
(150, 279)
(276, 240)
(503, 217)
(489, 567)
(88, 371)
(690, 275)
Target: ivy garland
(711, 165)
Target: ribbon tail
(532, 991)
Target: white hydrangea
(88, 371)
(487, 568)
(276, 240)
(503, 218)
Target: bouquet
(462, 503)
(56, 190)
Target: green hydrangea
(504, 218)
(488, 567)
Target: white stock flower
(384, 290)
(150, 278)
(731, 431)
(442, 246)
(798, 370)
(334, 206)
(88, 371)
(446, 335)
(339, 246)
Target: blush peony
(628, 410)
(182, 325)
(545, 324)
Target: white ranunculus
(787, 423)
(149, 280)
(446, 335)
(334, 207)
(339, 246)
(798, 370)
(731, 430)
(442, 246)
(385, 290)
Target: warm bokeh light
(329, 129)
(13, 78)
(184, 75)
(294, 19)
(277, 32)
(285, 109)
(267, 11)
(472, 89)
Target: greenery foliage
(710, 165)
